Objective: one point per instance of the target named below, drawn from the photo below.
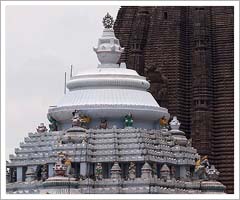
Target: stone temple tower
(187, 54)
(138, 41)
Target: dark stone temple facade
(187, 53)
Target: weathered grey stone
(146, 171)
(132, 171)
(116, 171)
(30, 174)
(165, 172)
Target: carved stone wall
(187, 54)
(223, 93)
(202, 93)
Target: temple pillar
(50, 170)
(183, 172)
(30, 174)
(13, 174)
(83, 169)
(8, 172)
(109, 170)
(19, 174)
(138, 169)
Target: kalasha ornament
(108, 21)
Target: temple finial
(108, 50)
(108, 21)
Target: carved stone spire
(116, 171)
(146, 171)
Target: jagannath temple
(109, 135)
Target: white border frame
(126, 196)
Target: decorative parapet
(57, 181)
(116, 109)
(138, 185)
(24, 185)
(212, 187)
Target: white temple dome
(109, 91)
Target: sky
(41, 44)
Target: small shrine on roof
(109, 135)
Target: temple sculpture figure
(53, 123)
(128, 120)
(41, 128)
(175, 124)
(163, 122)
(111, 137)
(132, 171)
(76, 119)
(103, 124)
(98, 171)
(60, 167)
(202, 166)
(44, 174)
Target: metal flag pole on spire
(71, 71)
(65, 80)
